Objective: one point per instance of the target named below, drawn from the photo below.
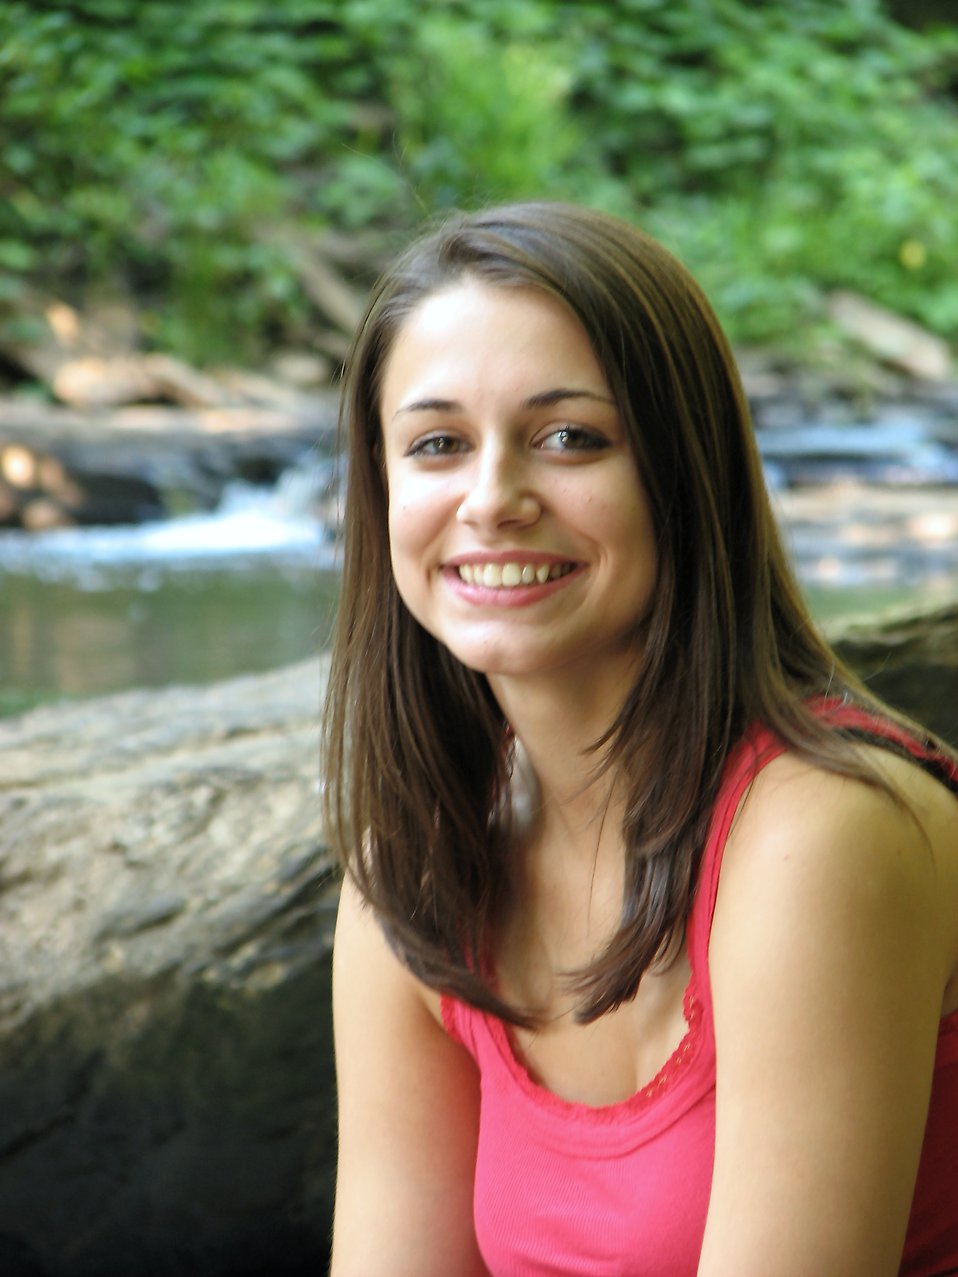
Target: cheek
(408, 538)
(622, 521)
(628, 526)
(407, 526)
(419, 509)
(398, 527)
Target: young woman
(647, 959)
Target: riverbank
(61, 467)
(235, 572)
(104, 464)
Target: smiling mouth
(498, 576)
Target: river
(249, 587)
(253, 585)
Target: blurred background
(195, 197)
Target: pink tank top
(622, 1190)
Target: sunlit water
(253, 585)
(249, 587)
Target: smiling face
(519, 532)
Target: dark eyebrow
(430, 405)
(544, 399)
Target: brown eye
(436, 446)
(573, 439)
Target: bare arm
(408, 1117)
(833, 944)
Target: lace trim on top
(758, 747)
(677, 1069)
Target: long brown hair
(415, 745)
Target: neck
(557, 723)
(567, 874)
(566, 882)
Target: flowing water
(250, 587)
(253, 585)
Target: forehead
(476, 330)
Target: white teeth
(496, 576)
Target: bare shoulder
(833, 957)
(364, 963)
(830, 852)
(408, 1117)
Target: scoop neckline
(665, 1080)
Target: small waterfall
(293, 523)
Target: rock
(40, 514)
(302, 369)
(856, 534)
(895, 340)
(105, 499)
(19, 466)
(48, 333)
(166, 911)
(910, 660)
(136, 378)
(10, 503)
(260, 388)
(94, 382)
(910, 449)
(149, 458)
(39, 492)
(177, 381)
(91, 359)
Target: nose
(499, 492)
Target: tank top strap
(757, 748)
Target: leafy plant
(167, 148)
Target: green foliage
(478, 119)
(781, 149)
(154, 144)
(787, 150)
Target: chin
(492, 659)
(504, 663)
